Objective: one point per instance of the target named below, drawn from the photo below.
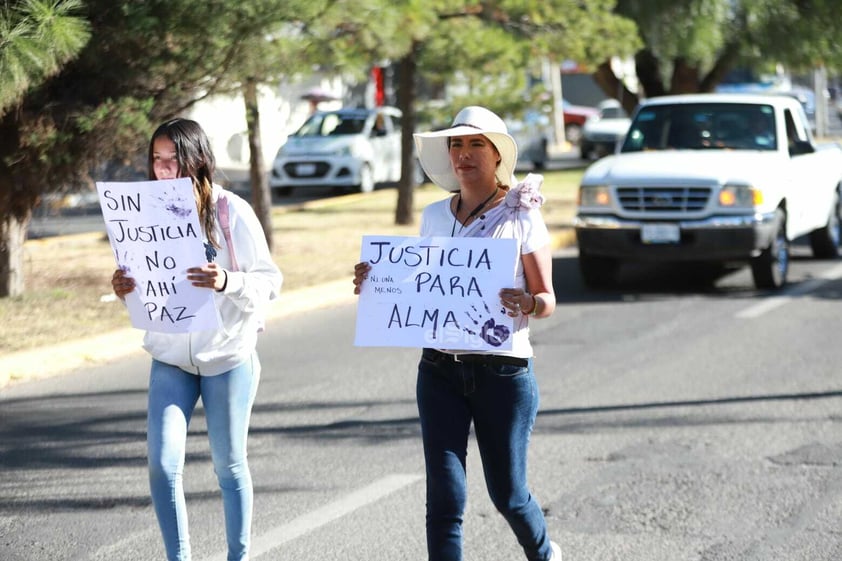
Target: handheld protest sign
(436, 292)
(154, 230)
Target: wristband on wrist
(534, 311)
(225, 283)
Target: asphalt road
(679, 421)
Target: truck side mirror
(801, 147)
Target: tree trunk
(727, 60)
(12, 238)
(649, 73)
(612, 86)
(685, 77)
(261, 198)
(406, 103)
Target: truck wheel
(540, 162)
(598, 272)
(825, 241)
(770, 268)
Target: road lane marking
(296, 528)
(769, 304)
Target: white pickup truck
(722, 178)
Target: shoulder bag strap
(224, 222)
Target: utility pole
(552, 76)
(819, 89)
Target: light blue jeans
(227, 399)
(502, 403)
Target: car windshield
(332, 124)
(699, 126)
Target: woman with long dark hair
(219, 366)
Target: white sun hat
(435, 159)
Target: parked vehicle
(352, 148)
(574, 120)
(532, 135)
(715, 178)
(604, 131)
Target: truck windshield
(701, 126)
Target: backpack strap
(224, 222)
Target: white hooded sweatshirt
(241, 305)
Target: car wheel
(573, 133)
(541, 162)
(598, 272)
(825, 241)
(585, 150)
(283, 191)
(419, 176)
(366, 179)
(771, 267)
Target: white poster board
(154, 230)
(436, 292)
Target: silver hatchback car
(351, 148)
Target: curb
(65, 357)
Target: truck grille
(663, 199)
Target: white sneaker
(556, 556)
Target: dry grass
(67, 277)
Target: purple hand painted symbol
(493, 334)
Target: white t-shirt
(525, 225)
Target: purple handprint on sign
(490, 332)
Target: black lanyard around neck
(471, 214)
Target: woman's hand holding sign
(121, 284)
(517, 301)
(208, 276)
(360, 274)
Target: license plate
(305, 169)
(660, 233)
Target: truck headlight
(343, 152)
(733, 196)
(594, 195)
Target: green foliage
(351, 36)
(149, 61)
(494, 46)
(709, 37)
(695, 29)
(36, 38)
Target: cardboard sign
(154, 230)
(436, 292)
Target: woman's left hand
(361, 271)
(208, 276)
(516, 301)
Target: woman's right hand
(122, 284)
(360, 274)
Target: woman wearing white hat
(475, 159)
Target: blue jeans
(502, 402)
(227, 399)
